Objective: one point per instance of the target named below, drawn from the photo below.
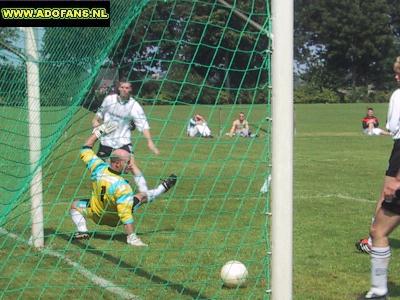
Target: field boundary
(340, 196)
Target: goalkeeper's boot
(372, 295)
(169, 182)
(81, 235)
(364, 246)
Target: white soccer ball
(234, 274)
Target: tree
(8, 39)
(187, 44)
(12, 68)
(351, 42)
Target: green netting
(182, 57)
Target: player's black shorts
(105, 151)
(394, 160)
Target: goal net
(183, 58)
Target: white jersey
(123, 112)
(393, 117)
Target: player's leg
(78, 211)
(163, 187)
(371, 128)
(392, 176)
(365, 244)
(207, 131)
(150, 195)
(138, 177)
(192, 131)
(386, 220)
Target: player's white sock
(141, 183)
(380, 257)
(78, 220)
(154, 193)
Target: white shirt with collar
(122, 112)
(393, 117)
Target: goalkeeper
(112, 202)
(127, 113)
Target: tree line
(345, 49)
(201, 52)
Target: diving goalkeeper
(112, 201)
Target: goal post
(282, 149)
(34, 130)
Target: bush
(311, 94)
(308, 93)
(365, 95)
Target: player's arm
(90, 141)
(246, 125)
(376, 122)
(96, 121)
(364, 124)
(87, 154)
(143, 126)
(131, 206)
(99, 116)
(150, 143)
(125, 203)
(103, 129)
(200, 119)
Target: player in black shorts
(387, 215)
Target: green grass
(215, 213)
(338, 177)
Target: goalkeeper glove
(105, 128)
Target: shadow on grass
(394, 243)
(121, 237)
(179, 288)
(394, 289)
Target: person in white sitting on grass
(198, 127)
(112, 201)
(370, 124)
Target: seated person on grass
(198, 127)
(240, 127)
(370, 124)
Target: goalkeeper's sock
(78, 220)
(141, 183)
(380, 257)
(154, 193)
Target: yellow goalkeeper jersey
(111, 194)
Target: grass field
(338, 177)
(215, 213)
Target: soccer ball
(234, 274)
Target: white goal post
(282, 150)
(33, 94)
